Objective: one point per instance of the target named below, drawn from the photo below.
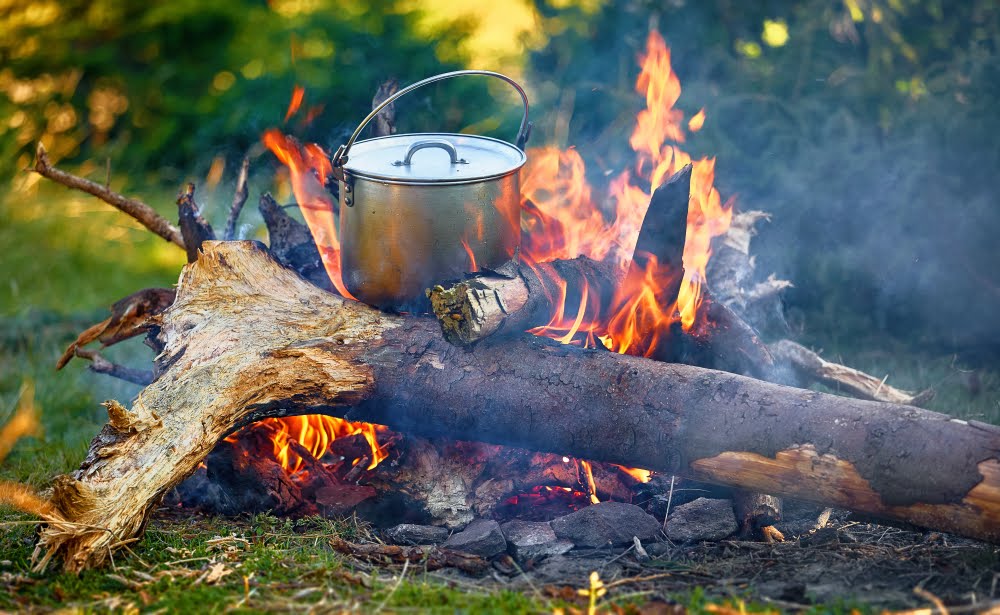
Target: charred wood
(516, 297)
(292, 243)
(194, 228)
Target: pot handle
(438, 143)
(340, 157)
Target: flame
(643, 476)
(560, 220)
(697, 121)
(472, 257)
(298, 95)
(315, 433)
(310, 168)
(588, 473)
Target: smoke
(882, 186)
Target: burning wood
(229, 366)
(257, 357)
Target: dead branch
(130, 317)
(239, 199)
(434, 558)
(100, 365)
(138, 210)
(813, 368)
(384, 123)
(194, 228)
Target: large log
(247, 339)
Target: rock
(481, 537)
(412, 534)
(599, 525)
(702, 519)
(533, 540)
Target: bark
(247, 339)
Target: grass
(66, 258)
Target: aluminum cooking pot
(420, 209)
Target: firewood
(515, 297)
(247, 339)
(141, 212)
(130, 316)
(194, 228)
(292, 244)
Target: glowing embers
(294, 437)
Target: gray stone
(481, 537)
(412, 534)
(599, 525)
(533, 540)
(702, 519)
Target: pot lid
(427, 158)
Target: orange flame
(697, 121)
(310, 168)
(298, 95)
(588, 474)
(316, 432)
(560, 220)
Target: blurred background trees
(866, 127)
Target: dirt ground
(847, 563)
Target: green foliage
(168, 86)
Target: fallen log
(247, 339)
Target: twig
(101, 365)
(670, 497)
(399, 581)
(138, 210)
(239, 199)
(385, 122)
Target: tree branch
(144, 214)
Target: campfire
(561, 220)
(566, 390)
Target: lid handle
(340, 157)
(447, 146)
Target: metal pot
(419, 209)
